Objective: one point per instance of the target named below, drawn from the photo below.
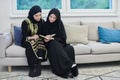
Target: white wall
(6, 20)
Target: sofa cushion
(81, 49)
(76, 33)
(15, 51)
(93, 28)
(17, 35)
(98, 48)
(108, 35)
(12, 30)
(117, 25)
(72, 22)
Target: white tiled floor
(81, 66)
(87, 71)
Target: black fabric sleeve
(40, 25)
(62, 36)
(25, 32)
(44, 30)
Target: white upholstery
(5, 41)
(99, 48)
(93, 28)
(73, 22)
(12, 55)
(117, 25)
(15, 51)
(82, 49)
(76, 33)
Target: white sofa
(93, 52)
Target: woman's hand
(33, 37)
(48, 38)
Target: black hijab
(56, 27)
(35, 9)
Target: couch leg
(9, 68)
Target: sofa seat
(85, 52)
(81, 49)
(15, 51)
(100, 48)
(11, 51)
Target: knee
(51, 42)
(28, 46)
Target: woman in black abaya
(60, 54)
(31, 29)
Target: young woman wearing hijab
(60, 54)
(32, 41)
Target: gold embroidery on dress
(38, 43)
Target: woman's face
(37, 16)
(52, 18)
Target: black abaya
(60, 54)
(33, 62)
(60, 60)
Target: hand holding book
(47, 38)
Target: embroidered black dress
(60, 54)
(33, 61)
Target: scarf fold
(32, 27)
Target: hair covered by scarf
(56, 27)
(35, 9)
(56, 12)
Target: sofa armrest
(5, 41)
